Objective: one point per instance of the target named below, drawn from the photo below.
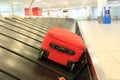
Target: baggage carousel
(20, 41)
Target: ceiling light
(26, 5)
(83, 2)
(65, 2)
(115, 2)
(44, 3)
(48, 5)
(38, 0)
(17, 2)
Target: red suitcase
(62, 46)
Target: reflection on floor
(104, 39)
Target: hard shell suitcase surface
(62, 46)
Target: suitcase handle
(61, 49)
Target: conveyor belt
(50, 22)
(34, 22)
(44, 23)
(15, 43)
(22, 32)
(19, 47)
(19, 51)
(43, 28)
(7, 24)
(20, 37)
(26, 27)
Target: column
(0, 11)
(89, 13)
(11, 1)
(49, 10)
(101, 4)
(30, 8)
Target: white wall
(76, 13)
(5, 8)
(115, 12)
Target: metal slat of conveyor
(21, 38)
(19, 47)
(45, 22)
(22, 32)
(29, 21)
(24, 69)
(40, 22)
(23, 22)
(6, 23)
(26, 25)
(33, 21)
(6, 76)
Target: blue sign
(106, 17)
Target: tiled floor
(104, 39)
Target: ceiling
(45, 4)
(59, 4)
(114, 2)
(63, 3)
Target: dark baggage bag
(62, 46)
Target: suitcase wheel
(43, 53)
(70, 65)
